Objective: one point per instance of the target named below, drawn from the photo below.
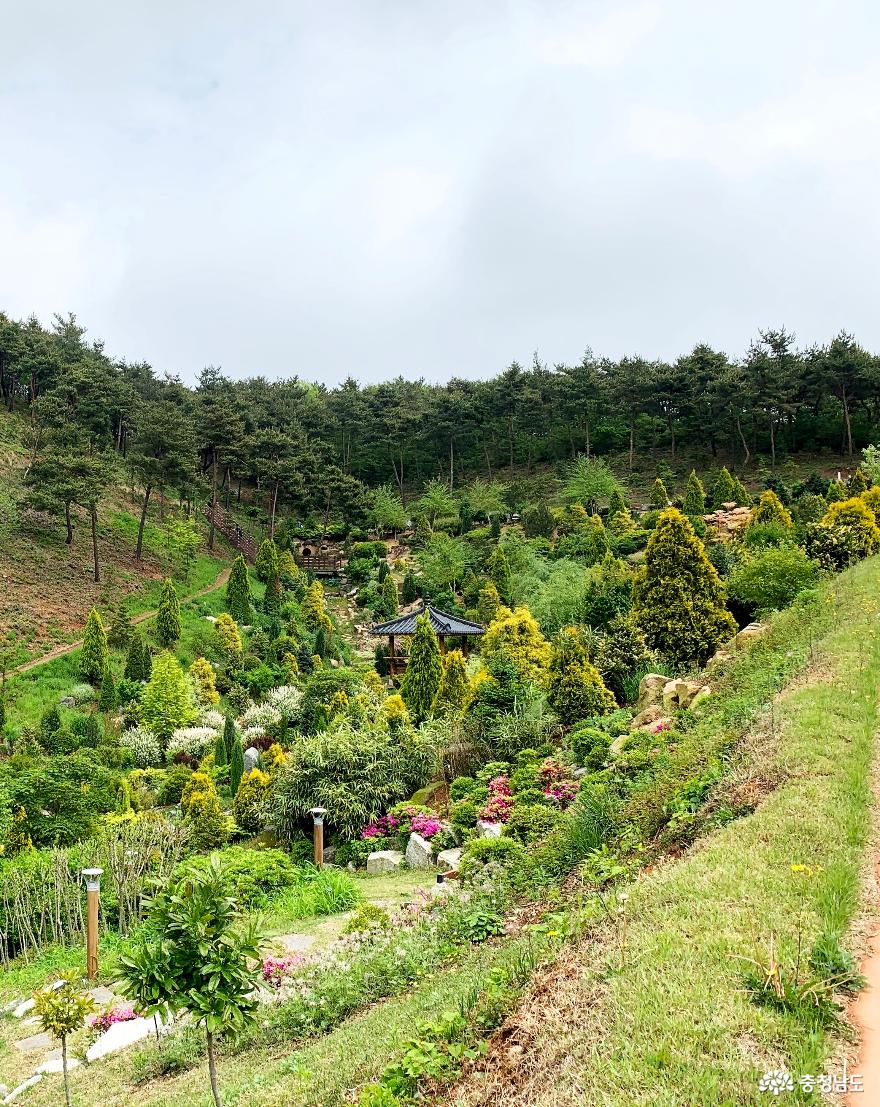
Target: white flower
(259, 716)
(193, 741)
(145, 746)
(286, 699)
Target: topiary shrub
(575, 688)
(530, 822)
(250, 804)
(770, 511)
(589, 746)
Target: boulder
(384, 861)
(251, 759)
(449, 859)
(120, 1036)
(719, 657)
(488, 830)
(620, 743)
(67, 701)
(699, 697)
(419, 852)
(23, 1008)
(643, 719)
(650, 690)
(748, 634)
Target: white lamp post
(318, 814)
(93, 892)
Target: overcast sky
(374, 188)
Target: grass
(670, 1021)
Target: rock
(663, 723)
(16, 1092)
(384, 861)
(53, 1062)
(22, 1009)
(643, 719)
(334, 664)
(251, 759)
(620, 742)
(699, 697)
(419, 852)
(488, 830)
(748, 634)
(449, 859)
(679, 693)
(101, 995)
(650, 690)
(67, 701)
(211, 618)
(718, 658)
(329, 855)
(121, 1035)
(296, 943)
(41, 1041)
(578, 774)
(4, 1092)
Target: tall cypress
(94, 657)
(238, 592)
(168, 618)
(228, 737)
(236, 766)
(695, 496)
(424, 671)
(134, 659)
(220, 751)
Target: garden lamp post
(318, 814)
(93, 891)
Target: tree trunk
(140, 541)
(510, 438)
(451, 466)
(772, 443)
(64, 1069)
(272, 512)
(488, 462)
(212, 1070)
(742, 439)
(213, 501)
(93, 511)
(847, 424)
(587, 435)
(69, 538)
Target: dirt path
(60, 651)
(865, 1014)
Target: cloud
(602, 43)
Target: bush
(530, 822)
(771, 579)
(253, 876)
(486, 851)
(173, 784)
(464, 815)
(144, 745)
(249, 805)
(589, 747)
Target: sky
(373, 188)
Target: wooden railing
(322, 565)
(231, 531)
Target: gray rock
(419, 852)
(35, 1042)
(449, 859)
(53, 1062)
(16, 1092)
(67, 701)
(251, 759)
(23, 1008)
(650, 690)
(384, 861)
(101, 995)
(618, 745)
(488, 830)
(329, 855)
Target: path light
(93, 892)
(318, 814)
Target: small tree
(61, 1011)
(204, 682)
(678, 597)
(589, 481)
(120, 630)
(575, 689)
(199, 953)
(251, 799)
(236, 765)
(488, 603)
(724, 489)
(238, 592)
(202, 812)
(389, 596)
(424, 671)
(770, 511)
(498, 570)
(134, 658)
(312, 608)
(454, 690)
(228, 637)
(266, 565)
(166, 703)
(695, 496)
(858, 483)
(94, 656)
(659, 495)
(516, 634)
(108, 700)
(410, 592)
(837, 492)
(229, 737)
(221, 758)
(168, 617)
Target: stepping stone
(120, 1036)
(54, 1062)
(296, 943)
(34, 1042)
(23, 1008)
(16, 1092)
(102, 996)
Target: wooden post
(93, 892)
(442, 643)
(318, 814)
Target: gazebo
(403, 626)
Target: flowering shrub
(110, 1015)
(144, 745)
(563, 791)
(500, 803)
(259, 716)
(384, 827)
(212, 717)
(426, 825)
(556, 784)
(276, 970)
(194, 741)
(286, 700)
(82, 693)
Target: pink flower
(107, 1018)
(426, 825)
(275, 969)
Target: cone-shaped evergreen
(410, 591)
(858, 483)
(321, 643)
(236, 766)
(229, 738)
(770, 511)
(695, 496)
(266, 564)
(389, 597)
(740, 493)
(146, 660)
(724, 489)
(107, 701)
(488, 602)
(134, 659)
(272, 599)
(616, 502)
(166, 703)
(238, 592)
(424, 671)
(94, 655)
(220, 758)
(837, 492)
(168, 618)
(498, 569)
(454, 690)
(678, 597)
(120, 630)
(659, 495)
(575, 689)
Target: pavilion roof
(442, 623)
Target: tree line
(314, 450)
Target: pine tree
(134, 659)
(659, 495)
(424, 671)
(575, 689)
(695, 496)
(168, 617)
(220, 757)
(146, 660)
(108, 700)
(204, 682)
(454, 690)
(272, 598)
(723, 490)
(837, 492)
(740, 493)
(678, 597)
(238, 592)
(94, 656)
(165, 703)
(410, 592)
(320, 643)
(121, 629)
(384, 570)
(517, 635)
(858, 483)
(236, 765)
(389, 596)
(488, 603)
(616, 502)
(266, 564)
(770, 511)
(498, 569)
(229, 737)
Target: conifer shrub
(168, 616)
(695, 496)
(314, 615)
(539, 522)
(488, 603)
(770, 511)
(94, 655)
(858, 483)
(659, 498)
(623, 657)
(837, 492)
(236, 765)
(575, 689)
(872, 499)
(239, 601)
(607, 593)
(121, 629)
(202, 814)
(410, 591)
(204, 681)
(228, 638)
(424, 671)
(586, 543)
(589, 746)
(134, 658)
(388, 593)
(811, 508)
(266, 564)
(249, 807)
(229, 738)
(165, 703)
(678, 597)
(108, 700)
(454, 690)
(221, 757)
(724, 489)
(516, 635)
(498, 571)
(847, 533)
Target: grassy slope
(670, 1022)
